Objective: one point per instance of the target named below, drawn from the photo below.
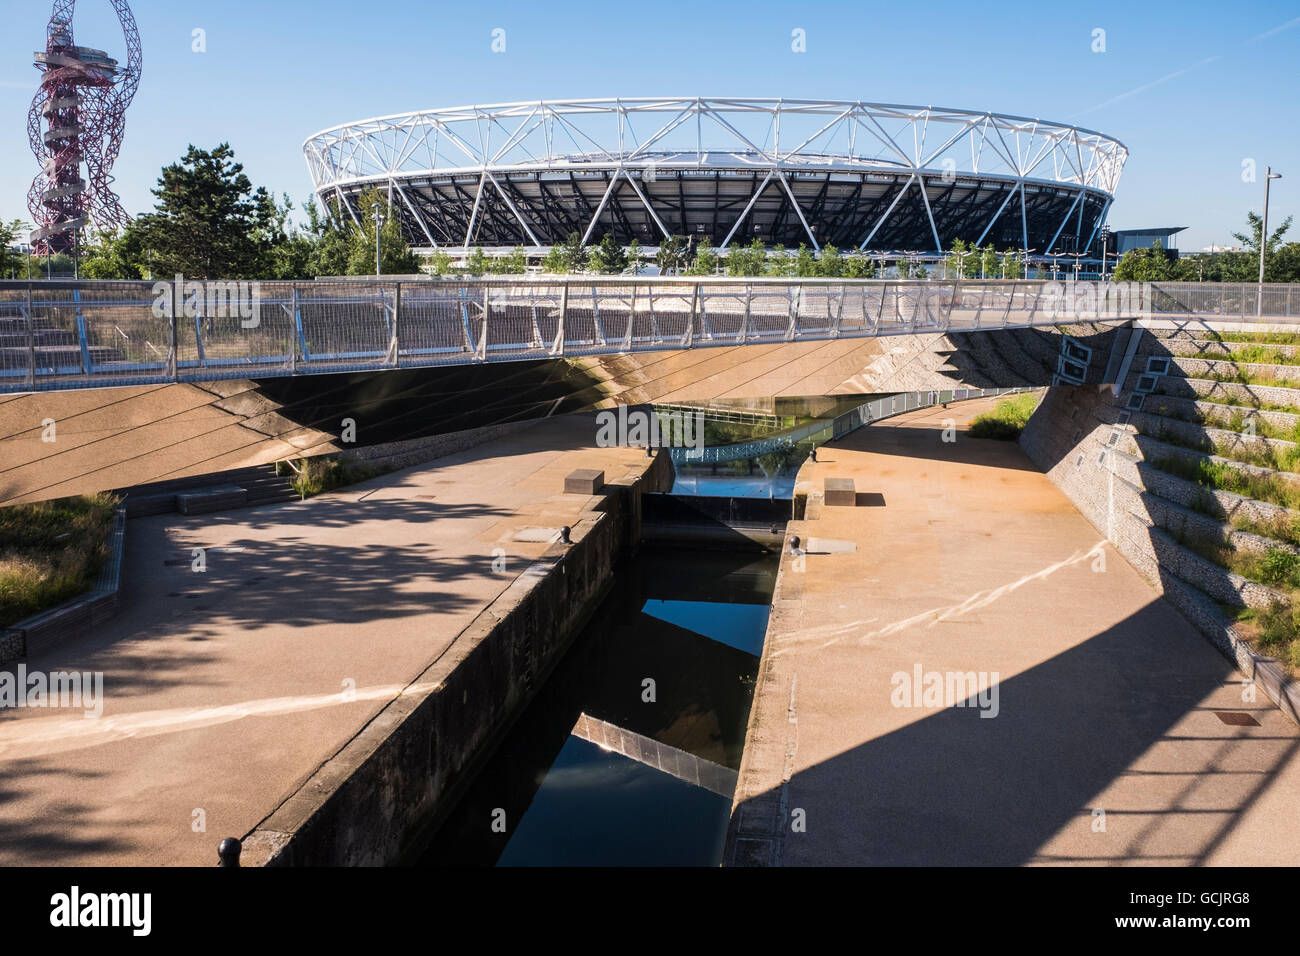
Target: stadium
(849, 174)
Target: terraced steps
(1227, 558)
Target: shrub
(50, 552)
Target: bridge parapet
(63, 335)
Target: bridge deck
(1106, 698)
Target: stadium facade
(850, 174)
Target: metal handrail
(95, 334)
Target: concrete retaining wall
(377, 799)
(76, 617)
(1135, 506)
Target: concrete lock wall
(374, 802)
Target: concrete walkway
(225, 690)
(1106, 747)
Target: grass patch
(1007, 420)
(316, 476)
(1262, 338)
(1240, 377)
(1247, 401)
(1232, 419)
(1219, 476)
(1253, 453)
(1282, 528)
(1276, 628)
(51, 552)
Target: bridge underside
(110, 438)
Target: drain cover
(1236, 719)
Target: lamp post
(379, 225)
(1105, 242)
(1269, 176)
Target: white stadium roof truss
(777, 139)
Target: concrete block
(584, 481)
(840, 492)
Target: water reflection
(693, 625)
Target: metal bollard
(564, 535)
(229, 850)
(794, 544)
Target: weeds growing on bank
(1221, 476)
(1007, 420)
(50, 552)
(316, 476)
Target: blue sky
(1193, 89)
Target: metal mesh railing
(83, 334)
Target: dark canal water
(691, 622)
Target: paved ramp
(1110, 731)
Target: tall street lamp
(1269, 176)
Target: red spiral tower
(75, 127)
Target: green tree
(989, 264)
(476, 264)
(12, 261)
(858, 266)
(554, 261)
(608, 257)
(672, 255)
(747, 260)
(1284, 264)
(1147, 265)
(1011, 266)
(515, 263)
(780, 263)
(706, 259)
(805, 265)
(329, 244)
(1251, 240)
(440, 264)
(209, 221)
(573, 253)
(114, 255)
(830, 264)
(635, 257)
(961, 263)
(395, 255)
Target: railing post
(86, 365)
(689, 341)
(631, 317)
(793, 327)
(31, 341)
(173, 358)
(557, 349)
(397, 327)
(297, 322)
(480, 353)
(749, 311)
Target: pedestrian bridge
(66, 335)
